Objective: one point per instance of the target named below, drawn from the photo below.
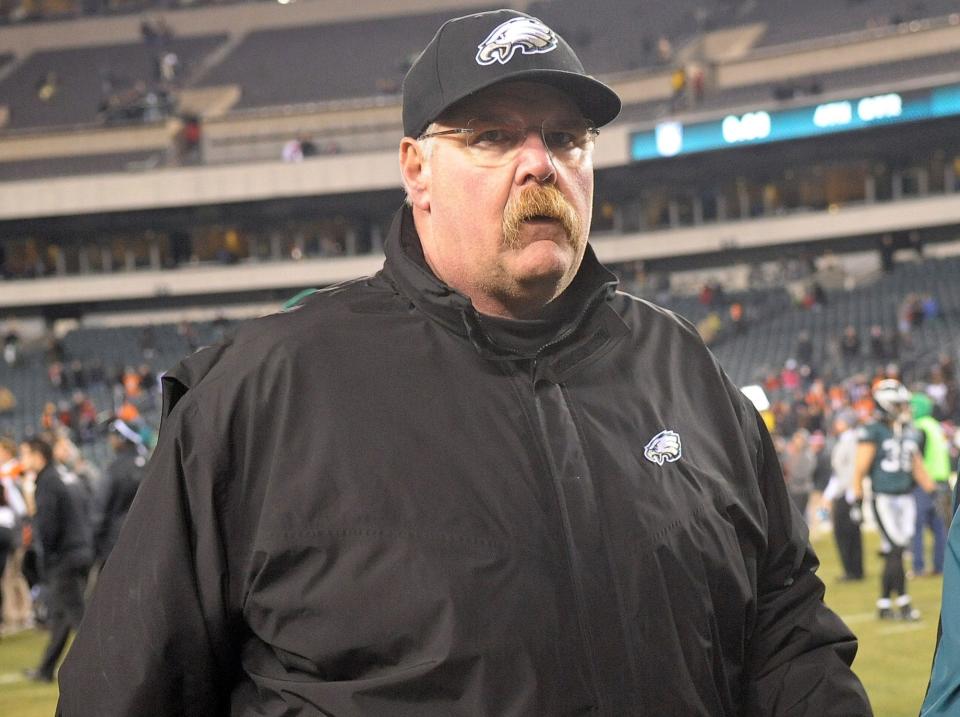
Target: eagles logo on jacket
(365, 506)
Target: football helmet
(892, 399)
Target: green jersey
(892, 467)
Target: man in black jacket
(481, 482)
(62, 533)
(119, 485)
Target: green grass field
(893, 662)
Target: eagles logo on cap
(520, 48)
(527, 34)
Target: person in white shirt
(846, 513)
(16, 611)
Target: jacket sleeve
(800, 651)
(155, 637)
(943, 692)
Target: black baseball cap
(476, 51)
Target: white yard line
(897, 629)
(859, 617)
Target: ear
(415, 170)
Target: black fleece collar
(406, 268)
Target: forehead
(516, 99)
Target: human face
(29, 459)
(460, 207)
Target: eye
(564, 138)
(494, 136)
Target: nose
(536, 160)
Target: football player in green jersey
(889, 452)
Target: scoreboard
(672, 138)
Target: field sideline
(893, 662)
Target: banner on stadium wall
(673, 138)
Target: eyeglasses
(492, 143)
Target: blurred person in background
(119, 485)
(933, 510)
(821, 448)
(72, 465)
(799, 465)
(839, 495)
(936, 452)
(65, 543)
(888, 452)
(14, 591)
(423, 493)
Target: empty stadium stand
(325, 62)
(806, 87)
(768, 343)
(78, 165)
(789, 21)
(78, 74)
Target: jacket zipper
(586, 635)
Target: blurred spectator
(73, 467)
(936, 459)
(131, 383)
(8, 402)
(839, 496)
(891, 344)
(62, 529)
(291, 151)
(737, 318)
(190, 140)
(910, 314)
(47, 86)
(188, 333)
(790, 376)
(804, 350)
(300, 147)
(678, 87)
(814, 296)
(821, 473)
(83, 418)
(48, 419)
(119, 486)
(16, 613)
(307, 146)
(664, 49)
(850, 342)
(168, 70)
(11, 346)
(55, 350)
(877, 347)
(697, 82)
(709, 327)
(799, 465)
(148, 343)
(712, 294)
(156, 34)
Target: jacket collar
(407, 270)
(48, 470)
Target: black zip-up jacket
(116, 495)
(365, 506)
(61, 523)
